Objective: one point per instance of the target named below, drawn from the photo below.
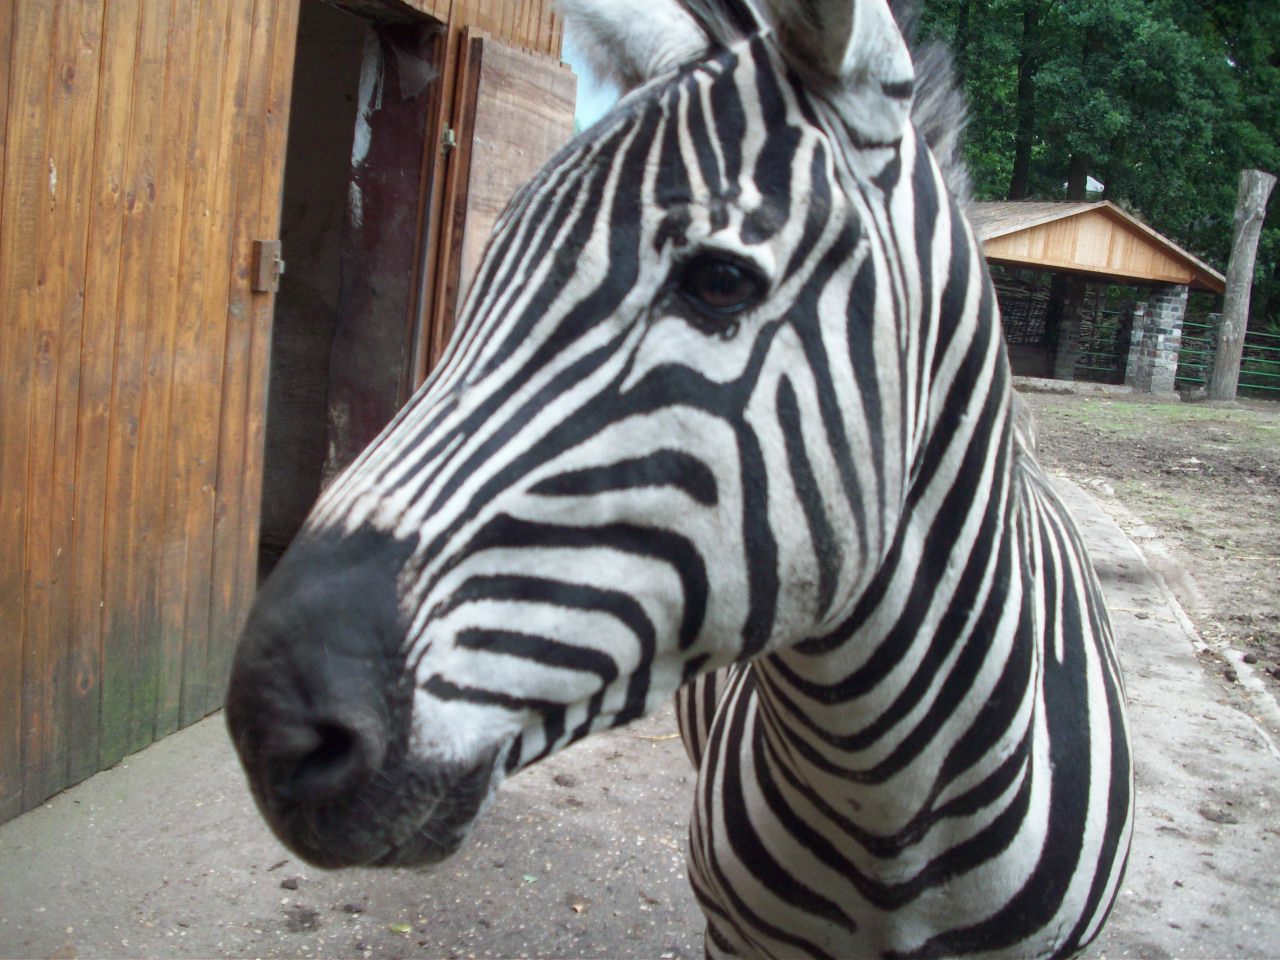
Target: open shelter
(1052, 264)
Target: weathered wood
(523, 114)
(126, 552)
(134, 687)
(463, 78)
(281, 60)
(132, 667)
(232, 543)
(102, 274)
(141, 152)
(440, 188)
(199, 357)
(1246, 228)
(26, 173)
(51, 534)
(198, 694)
(533, 24)
(187, 429)
(6, 54)
(513, 110)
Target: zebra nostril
(322, 762)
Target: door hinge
(267, 266)
(448, 140)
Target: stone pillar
(1137, 328)
(1155, 341)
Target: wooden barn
(232, 238)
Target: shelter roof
(1094, 238)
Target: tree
(1162, 101)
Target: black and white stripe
(808, 510)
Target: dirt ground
(1206, 478)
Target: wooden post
(1251, 205)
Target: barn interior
(350, 239)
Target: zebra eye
(719, 286)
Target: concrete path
(164, 856)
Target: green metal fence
(1195, 355)
(1260, 366)
(1259, 363)
(1103, 341)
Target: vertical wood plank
(37, 657)
(470, 71)
(126, 551)
(452, 49)
(461, 93)
(521, 114)
(24, 175)
(546, 30)
(284, 31)
(6, 70)
(219, 226)
(555, 27)
(61, 269)
(134, 655)
(102, 267)
(230, 548)
(193, 425)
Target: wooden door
(141, 149)
(512, 111)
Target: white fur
(630, 43)
(848, 49)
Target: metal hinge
(267, 266)
(448, 140)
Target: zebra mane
(628, 49)
(939, 110)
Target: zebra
(727, 415)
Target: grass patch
(1125, 418)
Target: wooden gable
(1096, 239)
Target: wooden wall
(141, 154)
(532, 24)
(142, 147)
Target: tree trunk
(1022, 138)
(1078, 177)
(1251, 207)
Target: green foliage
(1162, 101)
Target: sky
(593, 98)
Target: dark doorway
(351, 238)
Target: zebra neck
(925, 692)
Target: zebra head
(676, 428)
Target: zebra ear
(852, 52)
(630, 44)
